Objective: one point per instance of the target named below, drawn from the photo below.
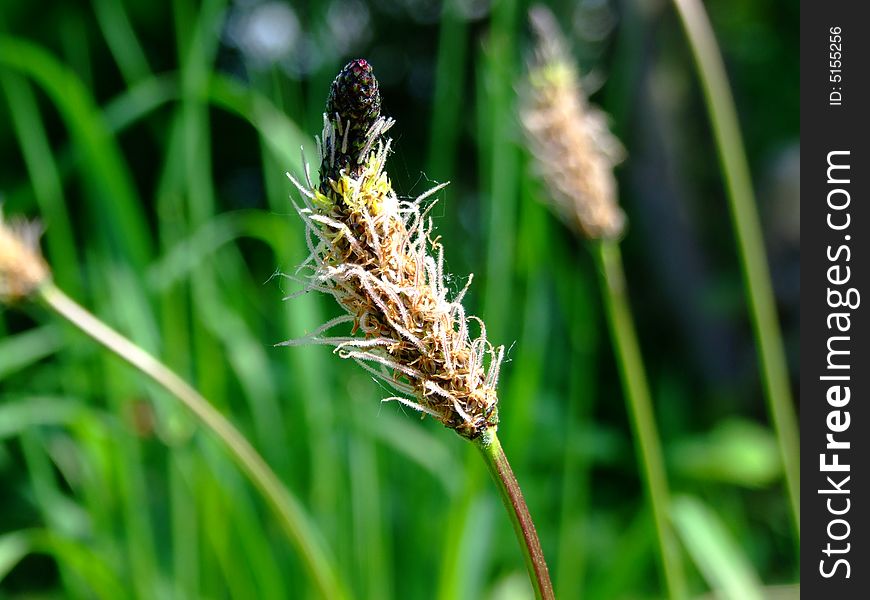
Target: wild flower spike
(573, 147)
(375, 254)
(22, 268)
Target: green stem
(640, 409)
(512, 496)
(290, 514)
(753, 258)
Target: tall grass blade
(636, 389)
(108, 174)
(750, 244)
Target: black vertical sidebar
(835, 362)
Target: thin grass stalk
(750, 244)
(634, 382)
(518, 511)
(289, 513)
(575, 153)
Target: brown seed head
(22, 268)
(573, 147)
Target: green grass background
(153, 148)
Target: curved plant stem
(290, 514)
(512, 496)
(639, 407)
(753, 258)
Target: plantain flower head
(569, 139)
(22, 268)
(376, 255)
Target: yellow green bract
(370, 190)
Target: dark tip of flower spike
(355, 99)
(354, 94)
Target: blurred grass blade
(108, 173)
(640, 409)
(28, 347)
(188, 254)
(246, 533)
(290, 513)
(64, 518)
(753, 258)
(45, 178)
(720, 560)
(13, 547)
(577, 293)
(368, 509)
(630, 559)
(121, 39)
(496, 100)
(470, 542)
(449, 89)
(21, 414)
(97, 578)
(416, 444)
(282, 135)
(186, 560)
(140, 100)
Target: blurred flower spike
(22, 268)
(375, 254)
(573, 148)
